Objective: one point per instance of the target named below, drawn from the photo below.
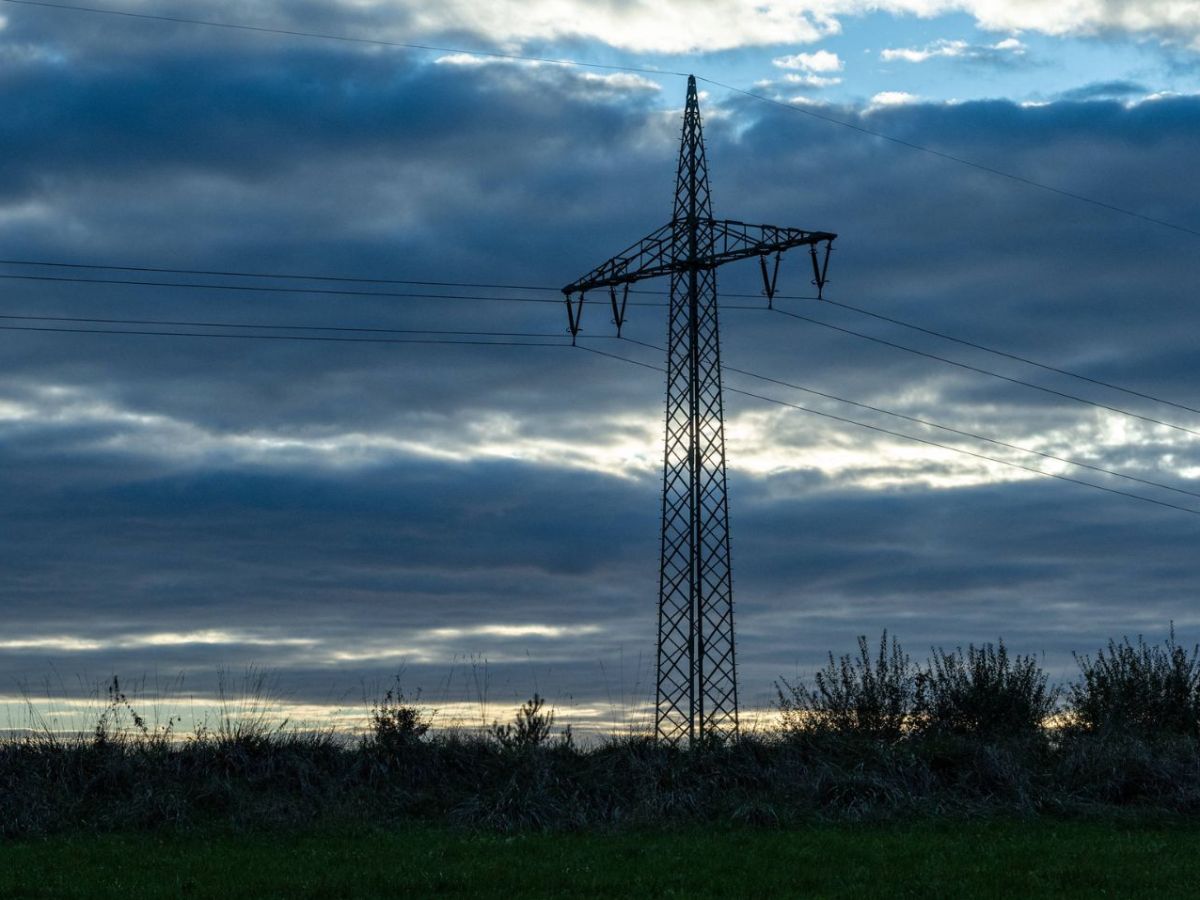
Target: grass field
(1004, 859)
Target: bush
(395, 723)
(530, 728)
(984, 693)
(1139, 689)
(866, 697)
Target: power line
(291, 276)
(514, 287)
(280, 337)
(267, 289)
(289, 32)
(1020, 179)
(526, 334)
(333, 292)
(272, 326)
(349, 279)
(574, 63)
(977, 369)
(1005, 354)
(914, 438)
(274, 289)
(947, 428)
(283, 276)
(175, 323)
(515, 343)
(982, 456)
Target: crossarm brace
(653, 256)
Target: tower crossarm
(648, 258)
(731, 240)
(725, 241)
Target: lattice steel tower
(697, 675)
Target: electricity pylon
(697, 673)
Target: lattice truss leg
(697, 679)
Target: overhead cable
(988, 372)
(439, 339)
(281, 337)
(1013, 356)
(327, 291)
(947, 428)
(915, 439)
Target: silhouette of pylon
(697, 690)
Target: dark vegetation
(872, 737)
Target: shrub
(1141, 689)
(984, 692)
(395, 723)
(530, 728)
(868, 697)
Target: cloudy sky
(485, 517)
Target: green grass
(997, 859)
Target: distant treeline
(872, 735)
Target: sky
(484, 519)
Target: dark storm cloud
(357, 496)
(993, 260)
(1105, 90)
(248, 119)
